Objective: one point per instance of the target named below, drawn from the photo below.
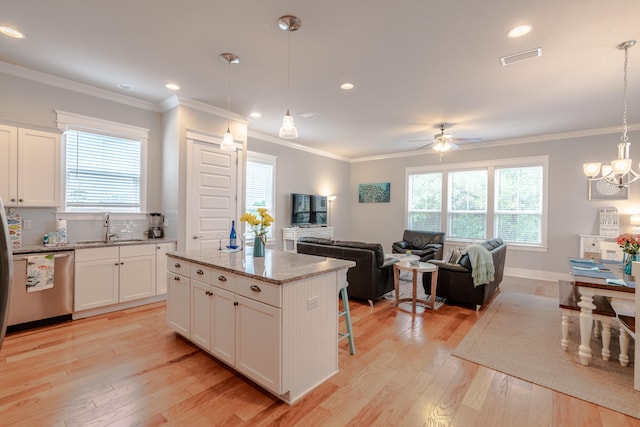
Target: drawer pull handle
(176, 278)
(255, 288)
(177, 265)
(222, 278)
(200, 272)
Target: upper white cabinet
(30, 167)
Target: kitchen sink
(107, 242)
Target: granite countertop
(277, 267)
(25, 249)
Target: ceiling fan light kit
(288, 130)
(619, 172)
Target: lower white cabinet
(161, 265)
(115, 274)
(243, 332)
(179, 297)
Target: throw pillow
(456, 254)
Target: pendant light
(227, 140)
(619, 172)
(288, 130)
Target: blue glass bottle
(232, 236)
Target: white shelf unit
(291, 235)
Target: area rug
(406, 290)
(519, 335)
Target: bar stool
(347, 317)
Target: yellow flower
(258, 225)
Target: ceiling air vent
(517, 57)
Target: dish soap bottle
(232, 236)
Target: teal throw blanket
(481, 263)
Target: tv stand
(291, 235)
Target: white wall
(570, 211)
(302, 172)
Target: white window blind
(467, 204)
(260, 188)
(102, 172)
(425, 201)
(518, 211)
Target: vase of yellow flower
(259, 224)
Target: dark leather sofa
(426, 244)
(372, 276)
(455, 282)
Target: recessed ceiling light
(346, 86)
(172, 86)
(11, 32)
(125, 86)
(255, 115)
(519, 31)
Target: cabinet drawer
(96, 254)
(306, 233)
(323, 232)
(224, 280)
(179, 266)
(259, 291)
(201, 273)
(137, 250)
(289, 234)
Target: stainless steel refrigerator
(6, 271)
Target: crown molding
(174, 101)
(48, 79)
(295, 146)
(502, 142)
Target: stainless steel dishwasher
(30, 309)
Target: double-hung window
(104, 165)
(261, 171)
(480, 200)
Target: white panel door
(212, 195)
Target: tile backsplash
(80, 227)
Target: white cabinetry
(291, 235)
(161, 265)
(179, 300)
(111, 275)
(30, 167)
(96, 278)
(232, 317)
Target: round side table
(422, 267)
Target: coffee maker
(156, 221)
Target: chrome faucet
(107, 227)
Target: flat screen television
(308, 210)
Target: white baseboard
(116, 307)
(537, 274)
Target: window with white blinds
(105, 164)
(260, 188)
(102, 171)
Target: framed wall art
(374, 193)
(602, 190)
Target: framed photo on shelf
(602, 190)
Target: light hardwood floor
(128, 368)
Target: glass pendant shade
(591, 169)
(621, 166)
(441, 146)
(607, 171)
(288, 129)
(227, 142)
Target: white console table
(604, 246)
(291, 235)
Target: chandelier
(619, 173)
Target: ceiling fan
(443, 142)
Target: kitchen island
(274, 319)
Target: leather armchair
(426, 244)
